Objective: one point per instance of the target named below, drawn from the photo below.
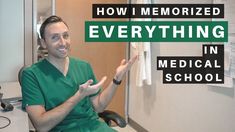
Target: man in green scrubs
(61, 93)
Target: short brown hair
(50, 20)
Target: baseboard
(136, 126)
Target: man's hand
(87, 89)
(124, 67)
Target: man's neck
(61, 64)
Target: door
(104, 57)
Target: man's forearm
(105, 97)
(49, 119)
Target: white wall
(11, 39)
(180, 107)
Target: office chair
(107, 115)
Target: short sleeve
(92, 76)
(31, 92)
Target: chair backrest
(20, 73)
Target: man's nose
(62, 40)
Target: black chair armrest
(109, 116)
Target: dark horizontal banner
(196, 76)
(158, 11)
(156, 31)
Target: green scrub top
(43, 84)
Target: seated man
(61, 93)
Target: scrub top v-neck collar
(58, 71)
(67, 79)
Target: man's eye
(65, 36)
(55, 37)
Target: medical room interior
(145, 104)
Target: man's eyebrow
(66, 32)
(59, 33)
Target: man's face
(57, 40)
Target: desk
(19, 118)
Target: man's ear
(43, 44)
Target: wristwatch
(116, 81)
